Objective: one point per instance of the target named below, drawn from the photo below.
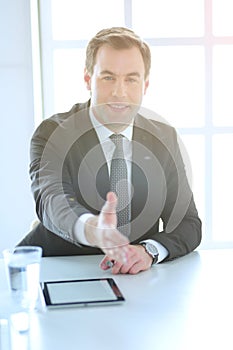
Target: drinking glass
(23, 274)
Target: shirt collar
(104, 133)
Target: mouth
(118, 107)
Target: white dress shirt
(108, 147)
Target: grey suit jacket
(70, 177)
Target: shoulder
(156, 128)
(59, 118)
(76, 110)
(66, 120)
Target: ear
(87, 79)
(146, 86)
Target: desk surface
(184, 304)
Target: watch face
(152, 249)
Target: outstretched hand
(101, 231)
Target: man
(72, 157)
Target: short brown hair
(118, 38)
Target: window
(190, 86)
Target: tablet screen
(81, 292)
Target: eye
(131, 80)
(108, 78)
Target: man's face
(117, 86)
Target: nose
(119, 89)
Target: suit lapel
(92, 154)
(148, 180)
(139, 180)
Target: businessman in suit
(71, 167)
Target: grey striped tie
(119, 184)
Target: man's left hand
(138, 260)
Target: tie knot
(117, 139)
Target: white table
(184, 304)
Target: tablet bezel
(111, 282)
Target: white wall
(17, 122)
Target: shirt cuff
(79, 229)
(163, 252)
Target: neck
(116, 128)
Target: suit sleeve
(182, 225)
(57, 205)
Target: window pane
(223, 85)
(222, 187)
(222, 17)
(168, 18)
(177, 85)
(69, 86)
(73, 20)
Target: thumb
(108, 213)
(110, 204)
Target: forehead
(119, 61)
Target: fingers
(106, 263)
(112, 239)
(127, 268)
(137, 261)
(101, 230)
(103, 233)
(109, 240)
(114, 244)
(133, 265)
(119, 252)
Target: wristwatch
(151, 250)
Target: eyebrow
(135, 74)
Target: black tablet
(85, 292)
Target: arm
(57, 195)
(182, 225)
(57, 205)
